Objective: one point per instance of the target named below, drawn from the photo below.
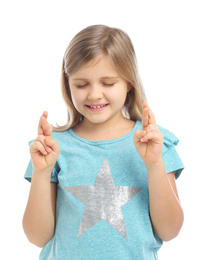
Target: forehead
(100, 66)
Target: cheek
(77, 96)
(117, 95)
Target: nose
(95, 93)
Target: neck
(110, 129)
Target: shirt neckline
(137, 126)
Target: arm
(165, 210)
(39, 217)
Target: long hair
(88, 44)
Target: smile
(97, 107)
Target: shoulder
(169, 137)
(171, 158)
(60, 134)
(170, 140)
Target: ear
(66, 76)
(129, 87)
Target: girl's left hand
(149, 141)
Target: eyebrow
(101, 78)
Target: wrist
(155, 166)
(44, 175)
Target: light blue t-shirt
(102, 198)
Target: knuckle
(38, 143)
(150, 128)
(40, 138)
(32, 146)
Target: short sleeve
(29, 171)
(171, 159)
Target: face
(98, 92)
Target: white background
(172, 45)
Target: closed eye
(81, 86)
(109, 84)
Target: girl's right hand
(44, 150)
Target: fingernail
(48, 149)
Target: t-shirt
(102, 207)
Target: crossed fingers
(44, 134)
(147, 116)
(40, 143)
(151, 131)
(44, 127)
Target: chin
(97, 120)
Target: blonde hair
(88, 44)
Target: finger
(40, 129)
(45, 114)
(44, 127)
(152, 119)
(138, 135)
(151, 128)
(153, 136)
(38, 146)
(145, 117)
(145, 104)
(41, 139)
(52, 143)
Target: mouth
(97, 107)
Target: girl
(102, 186)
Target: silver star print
(103, 201)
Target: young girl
(102, 186)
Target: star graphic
(103, 201)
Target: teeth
(97, 106)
